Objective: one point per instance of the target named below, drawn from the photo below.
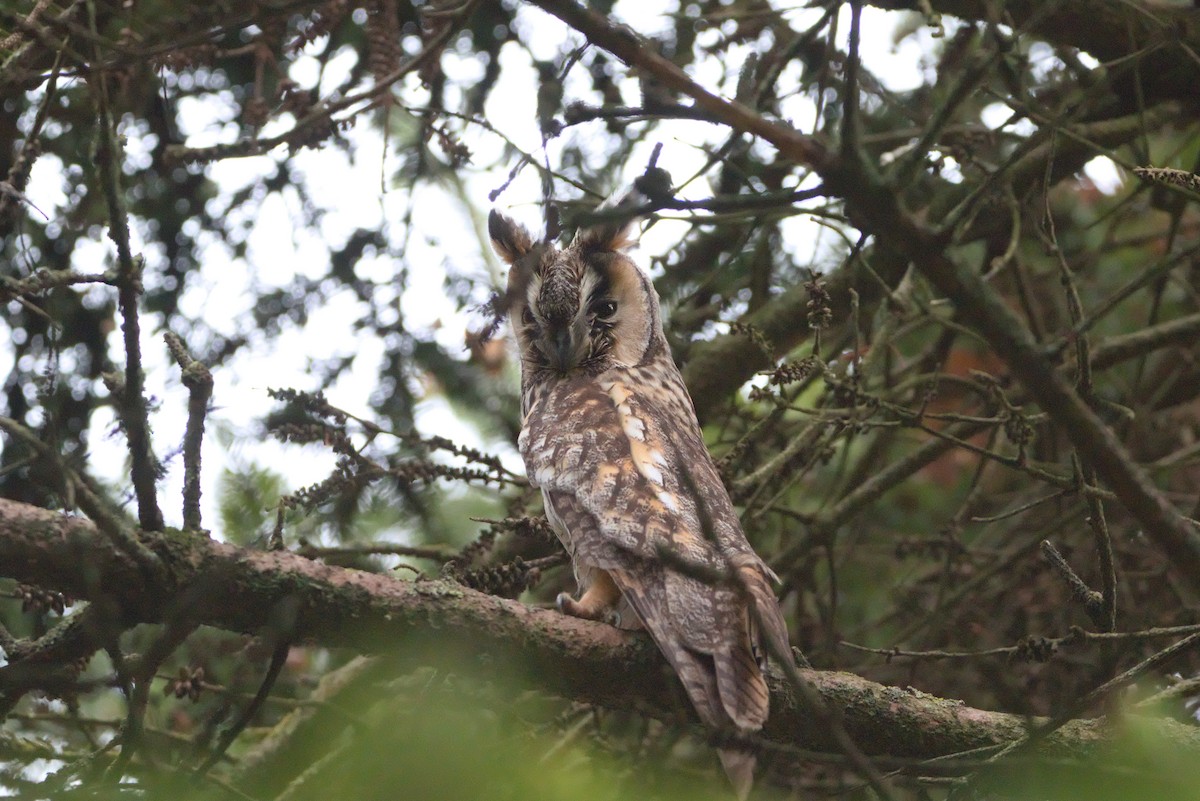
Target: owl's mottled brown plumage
(611, 438)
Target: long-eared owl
(610, 436)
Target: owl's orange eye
(603, 309)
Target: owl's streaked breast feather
(580, 444)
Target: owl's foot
(598, 603)
(569, 606)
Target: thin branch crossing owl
(610, 436)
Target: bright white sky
(445, 236)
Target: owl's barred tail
(739, 767)
(743, 696)
(726, 688)
(742, 693)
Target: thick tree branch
(237, 589)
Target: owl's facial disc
(569, 318)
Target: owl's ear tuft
(614, 236)
(617, 229)
(509, 238)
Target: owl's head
(586, 307)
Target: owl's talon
(613, 618)
(561, 602)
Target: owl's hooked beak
(563, 338)
(563, 350)
(565, 346)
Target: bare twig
(624, 44)
(110, 521)
(41, 280)
(1106, 617)
(320, 124)
(1012, 341)
(132, 403)
(1181, 331)
(133, 728)
(13, 187)
(199, 383)
(279, 631)
(433, 552)
(1041, 731)
(1093, 602)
